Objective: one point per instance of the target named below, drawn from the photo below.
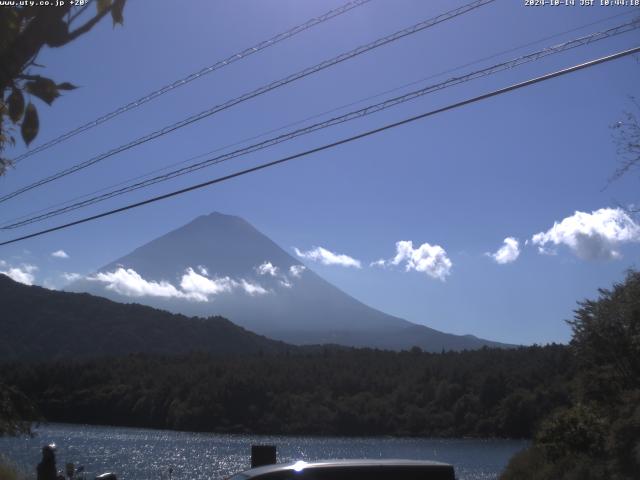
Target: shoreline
(35, 425)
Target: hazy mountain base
(483, 393)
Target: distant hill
(41, 324)
(296, 306)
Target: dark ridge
(41, 324)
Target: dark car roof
(352, 469)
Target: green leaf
(66, 86)
(16, 105)
(43, 88)
(116, 12)
(103, 5)
(30, 124)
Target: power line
(368, 133)
(264, 89)
(336, 120)
(7, 224)
(193, 76)
(531, 57)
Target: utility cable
(531, 57)
(193, 76)
(343, 141)
(266, 88)
(312, 117)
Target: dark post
(262, 455)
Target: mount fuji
(221, 265)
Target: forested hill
(41, 324)
(484, 393)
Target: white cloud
(508, 252)
(60, 254)
(71, 277)
(267, 268)
(378, 263)
(193, 285)
(429, 259)
(591, 236)
(23, 274)
(326, 257)
(203, 270)
(128, 282)
(199, 287)
(296, 270)
(252, 288)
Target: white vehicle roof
(347, 465)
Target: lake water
(139, 454)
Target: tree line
(483, 393)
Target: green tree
(24, 31)
(606, 339)
(599, 436)
(15, 411)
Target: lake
(140, 454)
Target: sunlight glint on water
(138, 454)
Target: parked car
(352, 470)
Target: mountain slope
(41, 324)
(224, 252)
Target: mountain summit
(221, 265)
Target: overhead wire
(313, 117)
(194, 76)
(343, 141)
(254, 93)
(368, 110)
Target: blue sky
(463, 181)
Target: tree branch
(79, 12)
(27, 45)
(25, 76)
(87, 26)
